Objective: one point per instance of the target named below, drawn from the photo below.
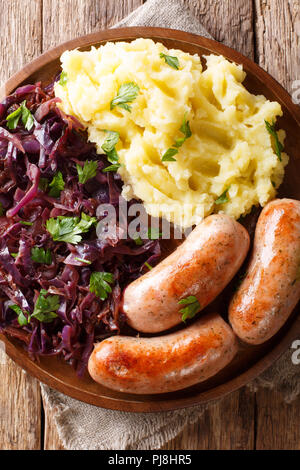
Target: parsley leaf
(191, 309)
(168, 155)
(99, 284)
(63, 78)
(127, 93)
(109, 148)
(13, 118)
(154, 233)
(87, 172)
(23, 222)
(223, 198)
(148, 266)
(45, 307)
(57, 185)
(22, 319)
(112, 168)
(69, 229)
(113, 156)
(272, 131)
(111, 141)
(186, 130)
(21, 112)
(171, 61)
(27, 118)
(81, 260)
(138, 241)
(39, 255)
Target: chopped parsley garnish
(87, 172)
(14, 255)
(39, 255)
(81, 260)
(109, 147)
(148, 266)
(57, 185)
(44, 310)
(110, 141)
(63, 78)
(186, 130)
(272, 131)
(170, 60)
(112, 167)
(45, 307)
(99, 284)
(69, 229)
(138, 241)
(23, 222)
(154, 233)
(127, 93)
(22, 319)
(1, 210)
(223, 198)
(191, 309)
(24, 113)
(168, 155)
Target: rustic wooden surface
(267, 30)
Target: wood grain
(20, 408)
(226, 424)
(278, 39)
(230, 22)
(81, 17)
(21, 32)
(277, 422)
(20, 401)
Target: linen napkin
(85, 427)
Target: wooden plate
(251, 361)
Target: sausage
(202, 266)
(165, 363)
(271, 287)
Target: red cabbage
(57, 142)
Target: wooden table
(267, 31)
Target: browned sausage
(202, 266)
(271, 288)
(166, 363)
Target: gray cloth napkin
(82, 426)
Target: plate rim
(33, 368)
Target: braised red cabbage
(29, 160)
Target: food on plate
(60, 286)
(190, 278)
(271, 287)
(188, 141)
(154, 126)
(165, 363)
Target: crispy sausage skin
(202, 266)
(166, 363)
(271, 288)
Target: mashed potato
(230, 149)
